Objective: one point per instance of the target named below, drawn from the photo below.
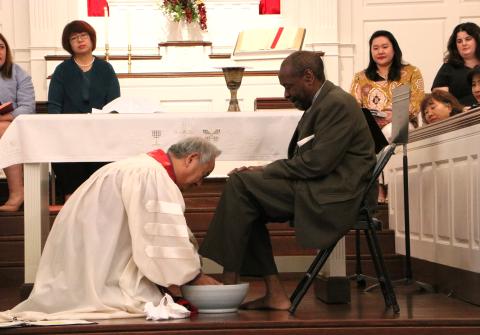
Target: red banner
(269, 6)
(97, 7)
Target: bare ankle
(14, 200)
(230, 278)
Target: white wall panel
(448, 174)
(371, 3)
(172, 105)
(460, 201)
(414, 201)
(399, 208)
(443, 202)
(475, 201)
(6, 22)
(427, 199)
(346, 66)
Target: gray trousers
(237, 236)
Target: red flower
(185, 10)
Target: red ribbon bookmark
(277, 37)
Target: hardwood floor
(421, 313)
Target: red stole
(161, 157)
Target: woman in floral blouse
(373, 86)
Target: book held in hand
(6, 107)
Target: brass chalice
(233, 77)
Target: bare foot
(230, 278)
(12, 205)
(268, 302)
(203, 279)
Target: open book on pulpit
(269, 41)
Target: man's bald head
(301, 74)
(299, 61)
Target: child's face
(476, 87)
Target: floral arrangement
(185, 10)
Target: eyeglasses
(78, 37)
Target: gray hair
(190, 145)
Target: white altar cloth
(109, 137)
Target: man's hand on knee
(247, 168)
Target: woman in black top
(463, 54)
(79, 84)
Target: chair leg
(307, 280)
(360, 279)
(376, 263)
(382, 274)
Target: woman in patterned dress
(373, 86)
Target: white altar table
(37, 140)
(109, 137)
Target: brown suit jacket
(330, 170)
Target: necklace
(82, 65)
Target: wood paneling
(185, 44)
(273, 103)
(219, 56)
(41, 107)
(61, 58)
(459, 283)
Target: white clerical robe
(119, 234)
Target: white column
(336, 263)
(36, 225)
(320, 18)
(226, 18)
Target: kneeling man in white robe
(121, 233)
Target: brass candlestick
(233, 77)
(129, 58)
(107, 55)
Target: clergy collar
(160, 156)
(315, 96)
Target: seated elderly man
(319, 186)
(121, 233)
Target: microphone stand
(408, 279)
